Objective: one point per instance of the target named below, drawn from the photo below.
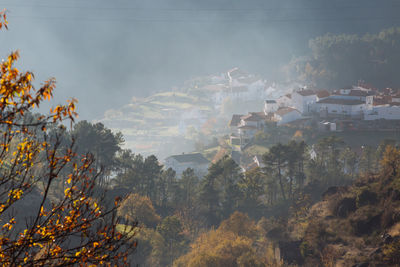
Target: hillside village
(234, 107)
(356, 108)
(202, 106)
(341, 110)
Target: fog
(105, 52)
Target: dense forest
(344, 59)
(309, 203)
(294, 204)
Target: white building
(304, 101)
(352, 94)
(256, 119)
(285, 101)
(327, 126)
(270, 106)
(341, 107)
(235, 122)
(249, 125)
(386, 112)
(179, 163)
(286, 115)
(396, 98)
(246, 133)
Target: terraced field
(151, 122)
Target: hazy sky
(105, 52)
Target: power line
(199, 9)
(110, 19)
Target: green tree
(100, 141)
(276, 161)
(152, 171)
(219, 192)
(368, 160)
(170, 193)
(189, 183)
(328, 152)
(349, 161)
(370, 57)
(129, 176)
(152, 249)
(295, 170)
(171, 229)
(252, 187)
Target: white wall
(248, 123)
(383, 112)
(304, 104)
(199, 169)
(270, 107)
(284, 101)
(288, 117)
(247, 132)
(338, 109)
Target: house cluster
(236, 85)
(332, 110)
(244, 127)
(356, 103)
(355, 108)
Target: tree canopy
(53, 229)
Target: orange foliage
(208, 127)
(230, 245)
(69, 229)
(3, 20)
(220, 154)
(391, 162)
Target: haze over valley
(200, 133)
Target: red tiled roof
(323, 93)
(306, 92)
(382, 100)
(254, 116)
(358, 93)
(261, 114)
(284, 111)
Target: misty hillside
(129, 49)
(211, 133)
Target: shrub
(344, 207)
(366, 197)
